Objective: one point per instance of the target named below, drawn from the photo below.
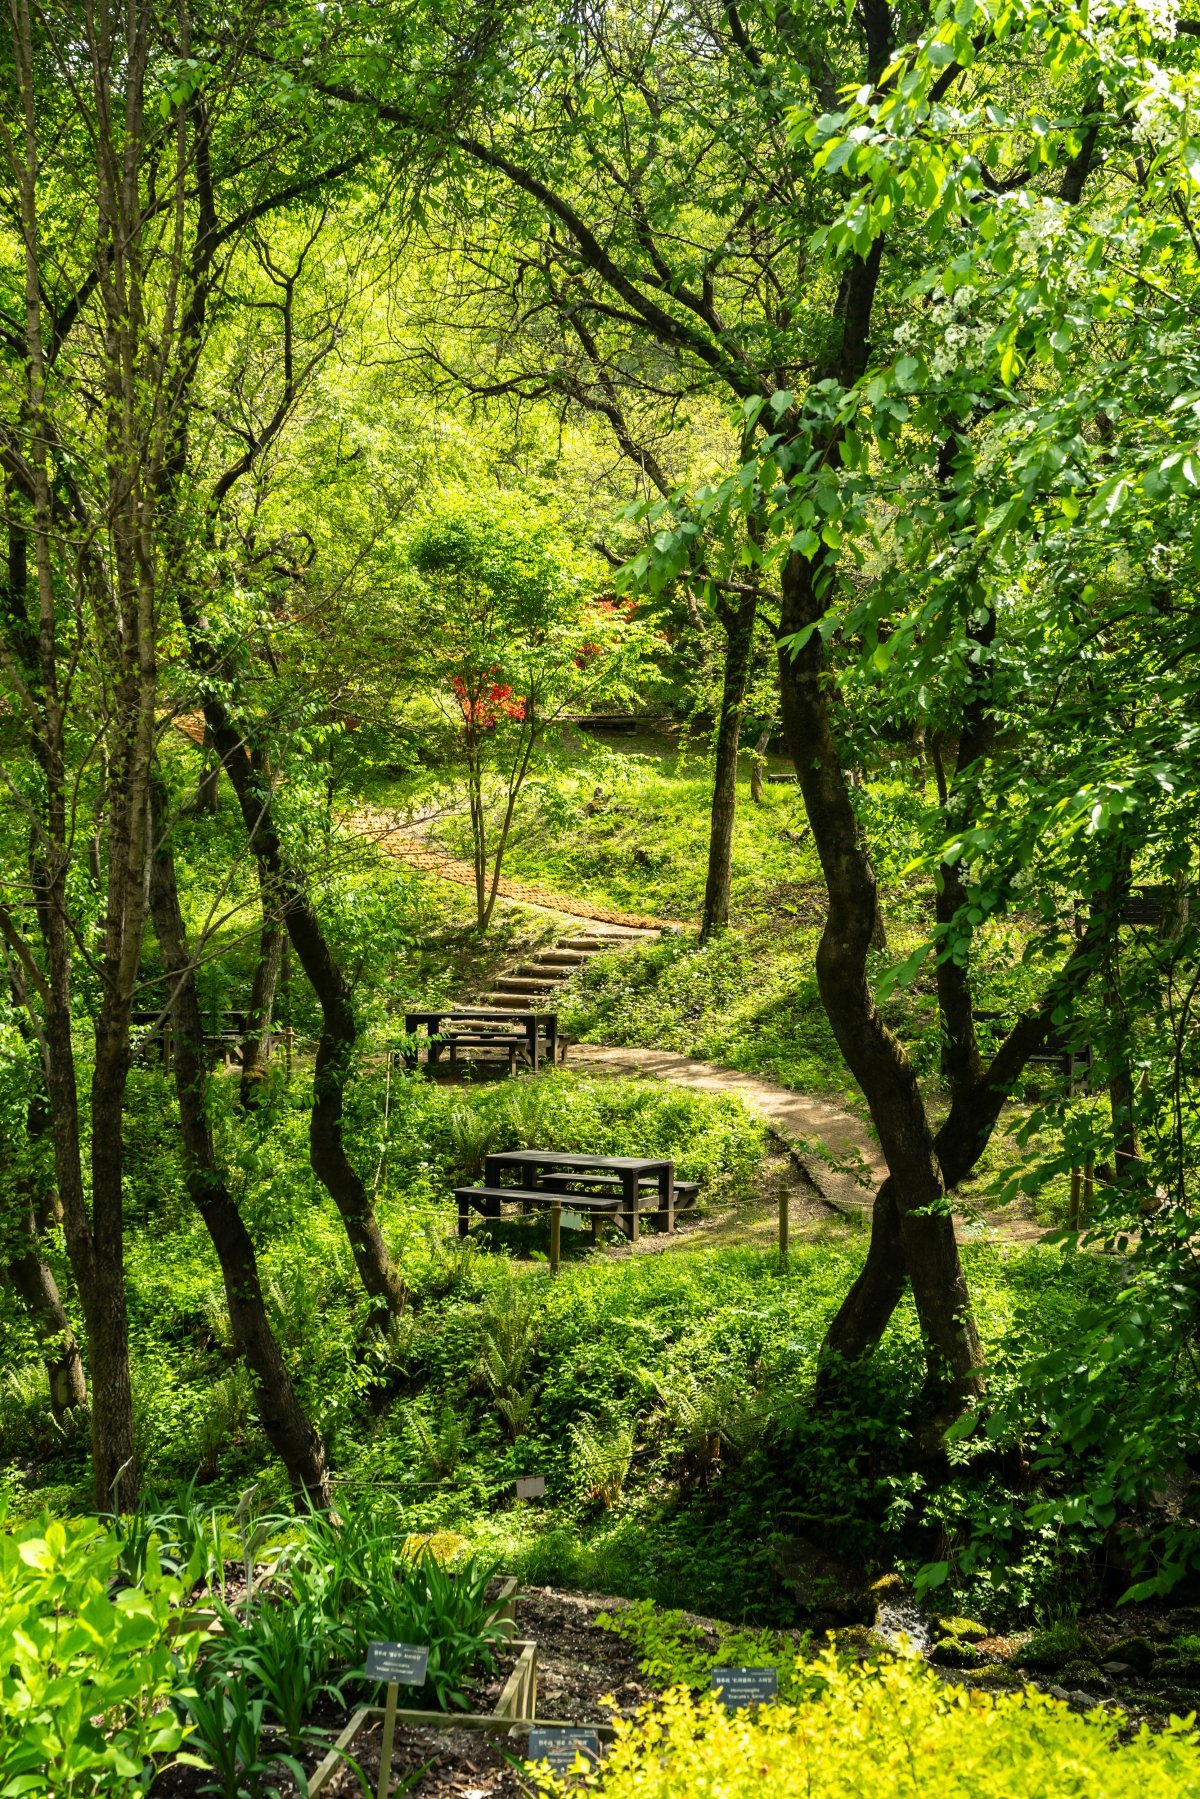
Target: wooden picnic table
(632, 1172)
(444, 1025)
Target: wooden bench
(1054, 1050)
(489, 1200)
(513, 1043)
(571, 1185)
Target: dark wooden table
(633, 1172)
(442, 1022)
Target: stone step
(516, 983)
(561, 958)
(538, 971)
(509, 1002)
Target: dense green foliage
(382, 391)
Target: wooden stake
(555, 1236)
(1073, 1204)
(385, 1748)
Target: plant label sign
(571, 1221)
(400, 1664)
(560, 1747)
(739, 1687)
(531, 1486)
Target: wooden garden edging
(516, 1708)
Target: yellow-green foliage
(445, 1546)
(896, 1729)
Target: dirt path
(397, 840)
(835, 1150)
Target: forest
(599, 759)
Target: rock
(1116, 1669)
(952, 1652)
(888, 1586)
(963, 1630)
(1082, 1702)
(1138, 1652)
(996, 1675)
(1059, 1693)
(827, 1590)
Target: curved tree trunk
(879, 1063)
(287, 1425)
(33, 1213)
(339, 1032)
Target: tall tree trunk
(923, 1225)
(210, 777)
(738, 622)
(287, 1426)
(335, 1050)
(34, 1281)
(256, 1045)
(31, 1275)
(756, 766)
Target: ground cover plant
(732, 466)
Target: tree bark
(339, 1032)
(756, 766)
(32, 1210)
(738, 623)
(923, 1225)
(287, 1426)
(210, 778)
(34, 1281)
(256, 1045)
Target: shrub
(894, 1728)
(672, 1652)
(86, 1664)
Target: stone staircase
(532, 984)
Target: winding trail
(396, 840)
(834, 1149)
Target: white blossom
(1158, 110)
(1043, 224)
(959, 338)
(1161, 16)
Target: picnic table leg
(555, 1236)
(531, 1031)
(665, 1216)
(629, 1193)
(464, 1214)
